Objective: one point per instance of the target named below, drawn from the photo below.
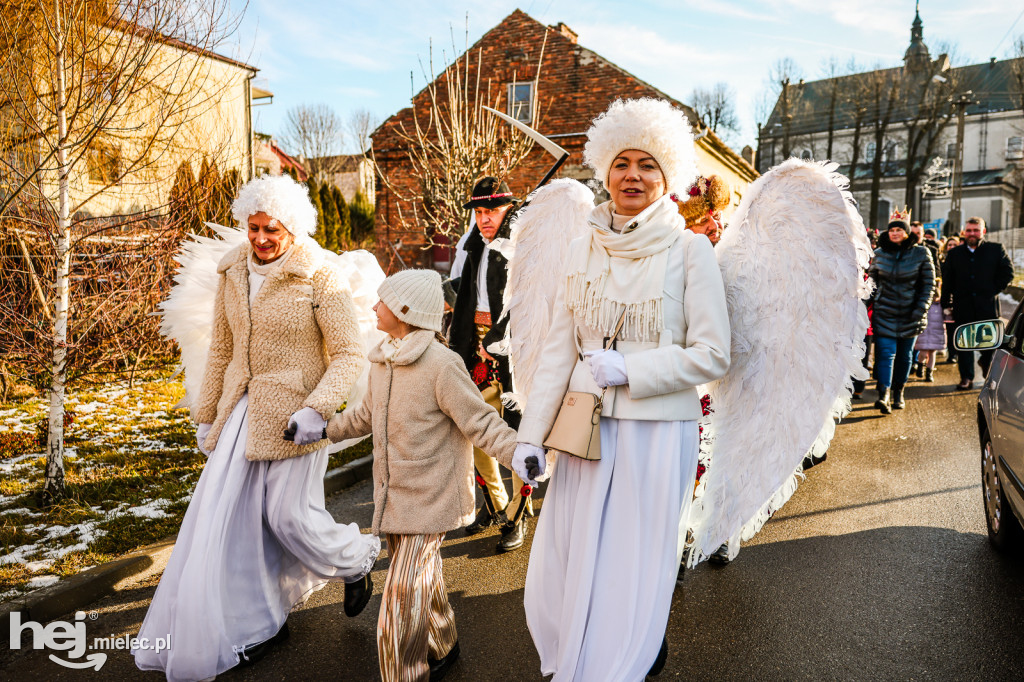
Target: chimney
(566, 31)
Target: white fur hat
(281, 198)
(415, 297)
(650, 125)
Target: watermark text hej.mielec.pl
(70, 637)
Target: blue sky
(359, 55)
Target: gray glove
(308, 426)
(529, 461)
(202, 431)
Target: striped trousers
(415, 617)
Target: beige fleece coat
(298, 346)
(425, 414)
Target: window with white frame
(1014, 148)
(951, 151)
(520, 102)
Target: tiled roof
(993, 84)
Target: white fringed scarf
(631, 272)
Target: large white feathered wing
(188, 309)
(538, 250)
(793, 262)
(364, 276)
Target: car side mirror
(984, 335)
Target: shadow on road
(890, 619)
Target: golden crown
(903, 215)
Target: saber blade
(544, 142)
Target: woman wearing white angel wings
(771, 322)
(604, 560)
(287, 348)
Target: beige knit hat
(415, 297)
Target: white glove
(529, 462)
(608, 367)
(307, 425)
(202, 431)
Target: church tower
(917, 57)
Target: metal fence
(1013, 242)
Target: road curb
(78, 591)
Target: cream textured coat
(663, 375)
(425, 414)
(298, 346)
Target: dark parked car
(1001, 424)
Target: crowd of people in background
(926, 287)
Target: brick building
(575, 85)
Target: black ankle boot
(440, 668)
(659, 662)
(254, 652)
(883, 401)
(897, 398)
(928, 375)
(357, 595)
(483, 521)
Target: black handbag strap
(608, 340)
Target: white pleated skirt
(256, 540)
(606, 552)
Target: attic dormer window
(520, 102)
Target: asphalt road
(877, 568)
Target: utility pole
(760, 148)
(955, 215)
(785, 118)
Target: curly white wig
(281, 198)
(650, 125)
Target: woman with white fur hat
(607, 548)
(256, 539)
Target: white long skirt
(606, 552)
(256, 540)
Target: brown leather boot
(883, 401)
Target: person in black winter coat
(905, 284)
(973, 276)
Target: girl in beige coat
(425, 414)
(256, 538)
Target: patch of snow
(61, 551)
(38, 565)
(151, 510)
(19, 510)
(9, 465)
(41, 581)
(19, 555)
(89, 407)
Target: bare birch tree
(927, 98)
(317, 133)
(453, 143)
(95, 97)
(716, 107)
(360, 125)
